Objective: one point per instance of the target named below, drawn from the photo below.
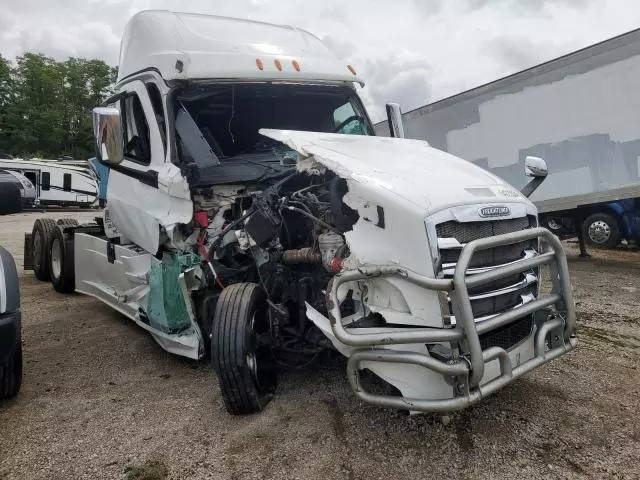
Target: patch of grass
(150, 470)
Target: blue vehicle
(101, 172)
(602, 225)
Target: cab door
(137, 202)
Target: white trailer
(581, 112)
(56, 184)
(242, 224)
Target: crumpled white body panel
(411, 170)
(140, 210)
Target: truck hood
(428, 178)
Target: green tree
(45, 106)
(6, 98)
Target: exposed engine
(287, 237)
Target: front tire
(61, 261)
(40, 236)
(11, 374)
(241, 349)
(554, 225)
(601, 230)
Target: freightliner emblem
(494, 211)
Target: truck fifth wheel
(251, 213)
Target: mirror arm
(531, 187)
(394, 119)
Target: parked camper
(243, 223)
(64, 161)
(56, 184)
(580, 112)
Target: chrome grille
(490, 257)
(467, 231)
(505, 294)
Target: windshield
(229, 116)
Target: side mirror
(535, 167)
(394, 118)
(107, 131)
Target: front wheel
(601, 230)
(241, 349)
(554, 225)
(11, 374)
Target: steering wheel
(348, 121)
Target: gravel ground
(100, 399)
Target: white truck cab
(251, 213)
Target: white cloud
(409, 51)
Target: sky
(412, 52)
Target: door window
(66, 182)
(136, 130)
(156, 102)
(31, 176)
(45, 181)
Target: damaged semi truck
(251, 213)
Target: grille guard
(557, 307)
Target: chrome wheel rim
(553, 225)
(599, 231)
(56, 258)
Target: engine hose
(301, 255)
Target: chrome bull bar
(469, 370)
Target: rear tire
(62, 264)
(601, 230)
(40, 236)
(11, 374)
(67, 222)
(241, 351)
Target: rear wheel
(601, 230)
(241, 349)
(67, 222)
(62, 264)
(40, 236)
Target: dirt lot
(100, 398)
